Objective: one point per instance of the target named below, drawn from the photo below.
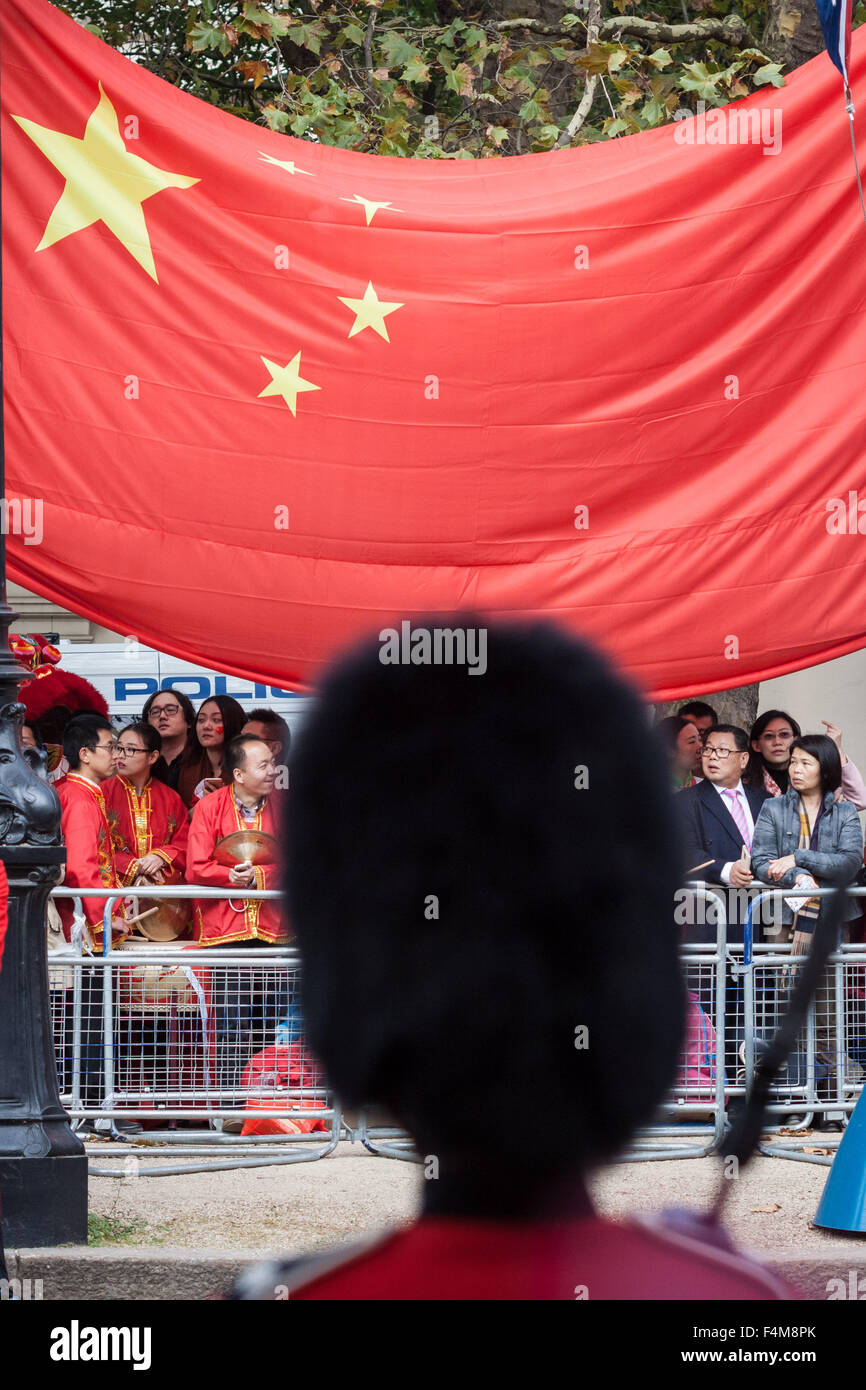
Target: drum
(154, 988)
(164, 918)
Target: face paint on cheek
(218, 728)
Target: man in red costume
(249, 1002)
(89, 749)
(148, 820)
(245, 805)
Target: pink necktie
(739, 816)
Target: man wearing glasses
(719, 813)
(149, 822)
(89, 748)
(718, 819)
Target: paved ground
(311, 1205)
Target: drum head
(169, 919)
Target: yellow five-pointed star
(288, 164)
(287, 382)
(104, 182)
(370, 208)
(370, 312)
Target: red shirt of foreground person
(482, 862)
(441, 1258)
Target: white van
(126, 673)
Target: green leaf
(276, 119)
(202, 36)
(353, 33)
(397, 51)
(653, 112)
(454, 28)
(696, 77)
(771, 73)
(416, 70)
(530, 110)
(308, 36)
(661, 58)
(460, 79)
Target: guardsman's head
(481, 872)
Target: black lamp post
(43, 1169)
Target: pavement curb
(78, 1273)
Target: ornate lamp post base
(43, 1168)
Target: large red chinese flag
(272, 394)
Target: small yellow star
(370, 208)
(288, 164)
(370, 312)
(104, 182)
(287, 382)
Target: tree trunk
(738, 706)
(793, 33)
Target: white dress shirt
(747, 812)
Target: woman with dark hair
(172, 715)
(806, 838)
(771, 737)
(682, 741)
(220, 719)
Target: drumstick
(698, 866)
(130, 921)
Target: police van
(127, 673)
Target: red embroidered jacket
(90, 861)
(154, 823)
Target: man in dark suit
(718, 819)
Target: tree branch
(368, 47)
(732, 31)
(590, 82)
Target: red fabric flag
(272, 394)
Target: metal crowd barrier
(825, 1072)
(737, 996)
(203, 1047)
(202, 1043)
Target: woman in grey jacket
(806, 839)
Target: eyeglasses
(163, 709)
(128, 752)
(107, 747)
(719, 752)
